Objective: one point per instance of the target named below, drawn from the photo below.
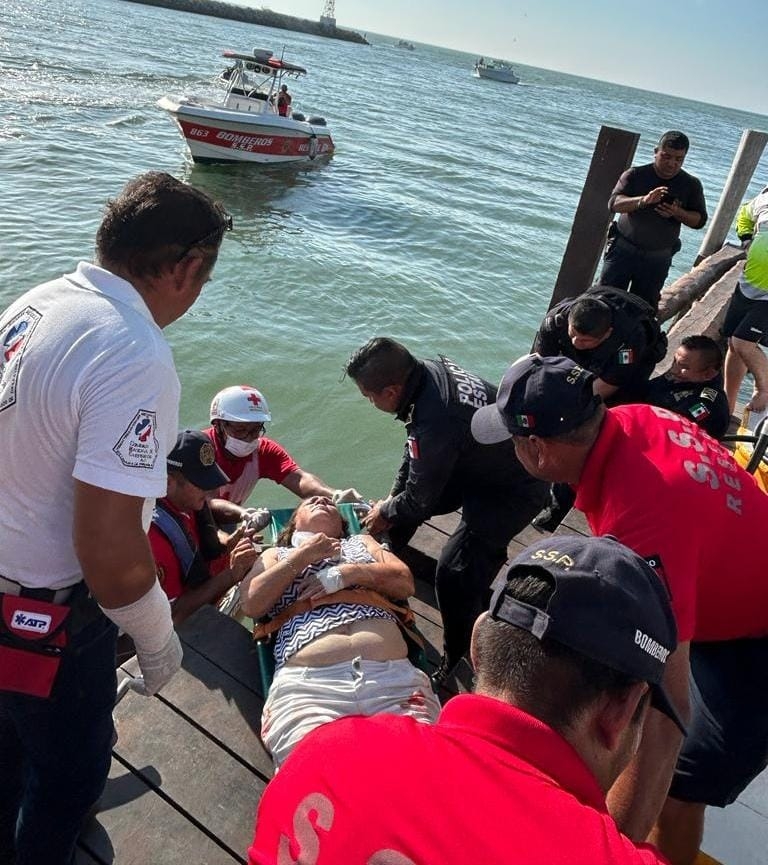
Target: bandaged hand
(255, 519)
(351, 495)
(322, 582)
(158, 668)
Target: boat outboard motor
(297, 115)
(316, 121)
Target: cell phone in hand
(667, 198)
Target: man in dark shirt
(444, 469)
(611, 333)
(693, 386)
(652, 201)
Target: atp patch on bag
(33, 637)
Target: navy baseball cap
(194, 456)
(543, 396)
(608, 605)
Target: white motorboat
(496, 70)
(253, 122)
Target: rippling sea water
(441, 220)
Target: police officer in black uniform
(444, 469)
(693, 386)
(609, 332)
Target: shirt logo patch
(413, 448)
(14, 339)
(699, 411)
(626, 356)
(24, 620)
(138, 445)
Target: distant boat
(409, 46)
(496, 70)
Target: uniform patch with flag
(626, 356)
(413, 448)
(525, 420)
(699, 411)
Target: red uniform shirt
(486, 784)
(666, 489)
(168, 565)
(270, 460)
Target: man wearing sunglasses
(88, 412)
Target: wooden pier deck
(188, 767)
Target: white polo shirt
(88, 390)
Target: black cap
(608, 605)
(194, 456)
(544, 396)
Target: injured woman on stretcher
(333, 603)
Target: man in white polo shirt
(88, 411)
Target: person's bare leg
(679, 831)
(734, 371)
(749, 355)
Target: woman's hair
(284, 536)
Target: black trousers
(633, 269)
(474, 553)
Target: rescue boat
(249, 123)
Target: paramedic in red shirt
(674, 495)
(238, 417)
(568, 659)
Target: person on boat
(88, 410)
(613, 334)
(284, 100)
(189, 550)
(444, 469)
(676, 497)
(752, 217)
(238, 417)
(693, 385)
(518, 770)
(746, 328)
(652, 202)
(337, 644)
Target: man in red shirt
(576, 638)
(186, 545)
(238, 416)
(667, 490)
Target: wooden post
(745, 161)
(613, 154)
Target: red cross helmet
(240, 403)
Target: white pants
(302, 698)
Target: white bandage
(148, 622)
(350, 495)
(331, 579)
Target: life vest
(192, 558)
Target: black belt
(649, 253)
(51, 596)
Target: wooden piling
(614, 151)
(745, 161)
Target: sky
(709, 50)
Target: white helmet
(240, 403)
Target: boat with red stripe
(254, 121)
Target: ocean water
(441, 220)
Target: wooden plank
(136, 826)
(222, 689)
(200, 778)
(613, 153)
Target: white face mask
(239, 448)
(298, 538)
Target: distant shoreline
(264, 17)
